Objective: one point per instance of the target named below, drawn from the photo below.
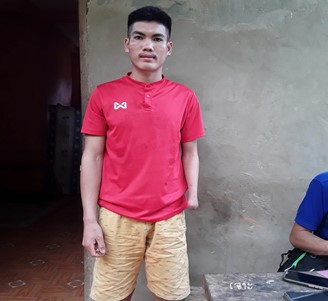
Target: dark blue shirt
(314, 207)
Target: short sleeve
(94, 121)
(193, 127)
(311, 211)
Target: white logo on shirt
(123, 105)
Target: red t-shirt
(144, 125)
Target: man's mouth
(147, 56)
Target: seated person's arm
(304, 239)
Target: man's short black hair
(150, 14)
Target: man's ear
(169, 47)
(126, 45)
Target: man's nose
(148, 45)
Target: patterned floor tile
(43, 261)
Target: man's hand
(193, 203)
(93, 239)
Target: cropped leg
(166, 259)
(115, 274)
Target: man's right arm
(304, 239)
(91, 172)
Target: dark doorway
(40, 98)
(40, 211)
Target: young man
(140, 158)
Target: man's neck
(145, 77)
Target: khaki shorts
(128, 242)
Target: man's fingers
(99, 247)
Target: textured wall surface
(260, 70)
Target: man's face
(148, 46)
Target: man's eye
(137, 37)
(158, 39)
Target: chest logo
(122, 105)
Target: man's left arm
(190, 162)
(304, 239)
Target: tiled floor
(41, 257)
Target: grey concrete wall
(260, 70)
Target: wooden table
(248, 287)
